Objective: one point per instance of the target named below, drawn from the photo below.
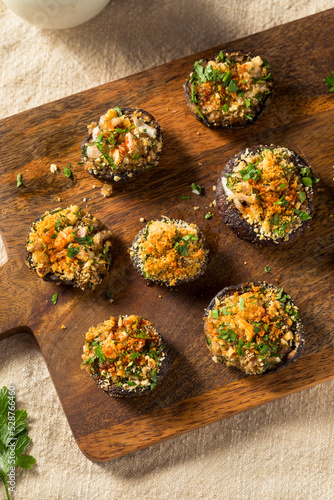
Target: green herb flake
(196, 188)
(19, 180)
(72, 251)
(303, 215)
(247, 103)
(267, 269)
(154, 378)
(13, 437)
(185, 197)
(281, 186)
(249, 117)
(266, 328)
(329, 80)
(307, 181)
(232, 86)
(208, 341)
(208, 215)
(241, 303)
(225, 108)
(67, 172)
(54, 298)
(119, 111)
(200, 114)
(302, 196)
(215, 313)
(99, 354)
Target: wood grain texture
(196, 391)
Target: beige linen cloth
(281, 451)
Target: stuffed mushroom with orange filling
(126, 356)
(169, 252)
(231, 90)
(265, 194)
(254, 327)
(123, 144)
(69, 246)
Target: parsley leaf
(119, 112)
(329, 80)
(225, 108)
(19, 180)
(241, 303)
(185, 197)
(232, 86)
(267, 269)
(215, 313)
(208, 215)
(303, 215)
(13, 437)
(196, 188)
(72, 251)
(67, 172)
(154, 377)
(54, 298)
(302, 196)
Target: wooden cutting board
(196, 391)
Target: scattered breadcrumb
(106, 190)
(53, 167)
(167, 109)
(141, 219)
(94, 186)
(214, 188)
(58, 199)
(174, 111)
(200, 164)
(63, 327)
(198, 133)
(196, 208)
(245, 263)
(84, 199)
(160, 296)
(214, 203)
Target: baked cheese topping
(252, 330)
(230, 89)
(71, 244)
(270, 191)
(122, 143)
(169, 251)
(125, 351)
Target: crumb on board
(84, 199)
(106, 190)
(200, 164)
(214, 188)
(141, 219)
(198, 133)
(196, 208)
(63, 327)
(53, 167)
(94, 186)
(58, 199)
(245, 263)
(160, 296)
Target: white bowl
(56, 14)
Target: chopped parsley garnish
(196, 188)
(281, 186)
(282, 201)
(302, 196)
(85, 240)
(251, 172)
(215, 313)
(181, 245)
(19, 180)
(119, 112)
(98, 143)
(247, 103)
(136, 156)
(208, 215)
(303, 215)
(208, 341)
(185, 197)
(72, 251)
(54, 298)
(67, 172)
(267, 269)
(154, 377)
(99, 354)
(249, 117)
(241, 303)
(225, 108)
(200, 114)
(329, 80)
(232, 86)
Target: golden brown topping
(126, 351)
(270, 191)
(252, 330)
(70, 244)
(169, 251)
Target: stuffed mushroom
(69, 246)
(126, 356)
(231, 90)
(123, 144)
(266, 195)
(254, 327)
(169, 252)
